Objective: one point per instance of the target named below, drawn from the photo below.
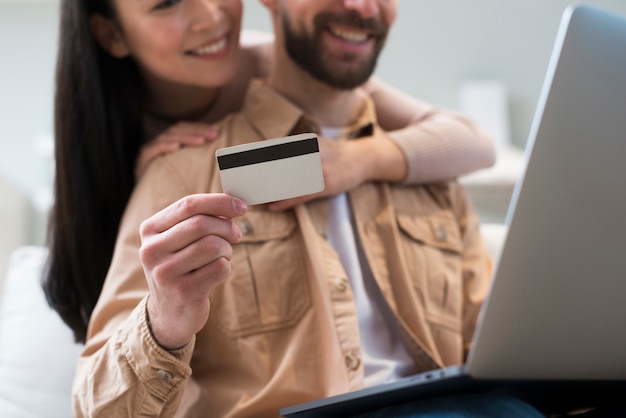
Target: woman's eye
(165, 4)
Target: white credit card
(272, 170)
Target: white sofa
(37, 351)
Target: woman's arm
(437, 144)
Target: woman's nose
(207, 14)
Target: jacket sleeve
(122, 371)
(438, 144)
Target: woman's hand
(175, 137)
(347, 164)
(185, 252)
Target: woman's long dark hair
(98, 133)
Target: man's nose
(366, 8)
(207, 14)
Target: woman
(115, 96)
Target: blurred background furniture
(490, 189)
(15, 222)
(486, 100)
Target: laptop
(553, 328)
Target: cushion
(37, 351)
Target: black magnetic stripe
(265, 154)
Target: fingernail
(239, 205)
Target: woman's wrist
(383, 160)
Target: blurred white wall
(28, 45)
(434, 47)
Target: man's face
(337, 41)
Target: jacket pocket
(432, 249)
(268, 286)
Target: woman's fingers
(175, 137)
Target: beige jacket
(283, 328)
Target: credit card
(272, 170)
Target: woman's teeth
(213, 48)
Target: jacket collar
(274, 116)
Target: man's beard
(306, 50)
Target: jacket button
(340, 283)
(164, 375)
(352, 361)
(246, 227)
(441, 235)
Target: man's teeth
(212, 48)
(350, 35)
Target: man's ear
(108, 35)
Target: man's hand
(185, 251)
(347, 164)
(175, 137)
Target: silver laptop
(555, 319)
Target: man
(271, 308)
